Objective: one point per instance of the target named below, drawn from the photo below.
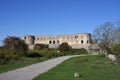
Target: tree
(12, 42)
(117, 32)
(105, 34)
(16, 44)
(13, 48)
(64, 47)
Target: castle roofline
(83, 33)
(66, 34)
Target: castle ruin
(76, 41)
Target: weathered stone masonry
(76, 41)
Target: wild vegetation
(64, 47)
(116, 50)
(40, 46)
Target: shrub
(83, 51)
(7, 56)
(64, 47)
(33, 54)
(60, 54)
(78, 51)
(116, 50)
(40, 46)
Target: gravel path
(29, 72)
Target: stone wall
(76, 41)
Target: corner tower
(29, 40)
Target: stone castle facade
(76, 41)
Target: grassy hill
(89, 67)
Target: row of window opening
(57, 42)
(54, 42)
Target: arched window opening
(53, 42)
(81, 41)
(76, 37)
(50, 42)
(24, 37)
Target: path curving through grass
(29, 72)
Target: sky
(55, 17)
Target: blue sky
(54, 17)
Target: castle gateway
(76, 41)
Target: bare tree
(117, 32)
(105, 36)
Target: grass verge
(89, 67)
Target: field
(89, 67)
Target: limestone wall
(74, 40)
(29, 40)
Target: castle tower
(29, 40)
(81, 41)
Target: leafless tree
(105, 34)
(117, 32)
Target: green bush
(49, 53)
(40, 46)
(7, 56)
(1, 54)
(116, 50)
(83, 51)
(33, 54)
(60, 54)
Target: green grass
(89, 67)
(20, 63)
